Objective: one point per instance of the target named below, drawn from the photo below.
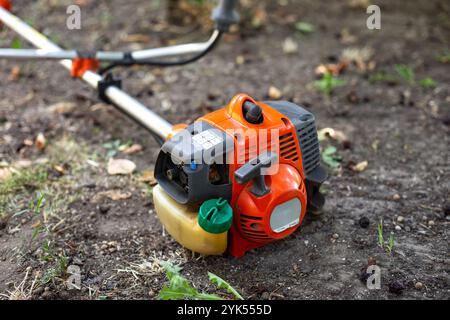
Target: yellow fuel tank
(181, 223)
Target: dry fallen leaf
(274, 93)
(135, 148)
(5, 173)
(240, 59)
(149, 177)
(40, 141)
(334, 68)
(361, 57)
(140, 38)
(120, 166)
(59, 169)
(14, 74)
(23, 163)
(100, 106)
(375, 145)
(37, 224)
(360, 167)
(114, 194)
(290, 46)
(358, 4)
(259, 17)
(333, 134)
(61, 107)
(346, 37)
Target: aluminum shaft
(111, 56)
(124, 102)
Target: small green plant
(180, 288)
(444, 57)
(391, 243)
(406, 73)
(57, 270)
(380, 234)
(32, 178)
(330, 157)
(304, 27)
(58, 262)
(24, 180)
(382, 77)
(328, 83)
(16, 44)
(115, 146)
(198, 2)
(38, 203)
(220, 283)
(324, 189)
(427, 83)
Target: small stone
(431, 223)
(120, 166)
(396, 197)
(290, 46)
(335, 236)
(274, 93)
(418, 285)
(398, 228)
(240, 59)
(407, 229)
(400, 219)
(40, 141)
(364, 222)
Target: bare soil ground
(401, 129)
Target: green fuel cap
(215, 215)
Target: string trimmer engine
(240, 177)
(234, 180)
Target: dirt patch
(402, 130)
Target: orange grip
(81, 65)
(6, 4)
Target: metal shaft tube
(111, 56)
(124, 102)
(177, 50)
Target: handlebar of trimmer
(224, 16)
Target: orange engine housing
(252, 225)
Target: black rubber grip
(225, 14)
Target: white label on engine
(285, 215)
(206, 139)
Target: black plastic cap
(225, 15)
(252, 112)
